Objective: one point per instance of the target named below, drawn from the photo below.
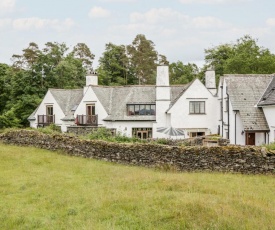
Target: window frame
(193, 108)
(141, 109)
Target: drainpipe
(228, 122)
(222, 107)
(235, 126)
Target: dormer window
(141, 109)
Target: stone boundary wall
(246, 160)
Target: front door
(250, 138)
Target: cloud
(270, 22)
(113, 1)
(155, 16)
(7, 5)
(40, 23)
(5, 22)
(99, 12)
(211, 1)
(208, 22)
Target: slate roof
(268, 97)
(67, 99)
(115, 98)
(244, 93)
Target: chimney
(210, 80)
(162, 76)
(91, 79)
(162, 86)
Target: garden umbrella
(171, 131)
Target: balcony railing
(44, 120)
(86, 120)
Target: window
(142, 133)
(196, 134)
(49, 114)
(197, 107)
(141, 109)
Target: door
(250, 138)
(49, 114)
(90, 112)
(142, 134)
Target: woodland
(24, 83)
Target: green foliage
(44, 190)
(182, 74)
(271, 146)
(114, 66)
(24, 84)
(131, 64)
(51, 129)
(106, 135)
(243, 57)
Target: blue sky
(180, 29)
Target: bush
(51, 129)
(271, 146)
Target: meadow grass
(41, 189)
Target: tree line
(24, 83)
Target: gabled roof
(244, 92)
(67, 99)
(115, 98)
(268, 97)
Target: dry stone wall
(247, 160)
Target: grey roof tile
(244, 92)
(115, 99)
(268, 97)
(67, 99)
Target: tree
(182, 74)
(82, 52)
(143, 59)
(114, 66)
(24, 84)
(243, 57)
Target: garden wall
(247, 160)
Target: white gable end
(195, 110)
(90, 98)
(48, 100)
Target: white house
(234, 110)
(133, 110)
(240, 118)
(267, 103)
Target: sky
(180, 29)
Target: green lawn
(40, 189)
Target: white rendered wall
(180, 117)
(48, 100)
(91, 98)
(269, 112)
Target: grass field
(40, 189)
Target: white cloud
(5, 22)
(40, 23)
(99, 12)
(270, 22)
(7, 5)
(118, 1)
(211, 1)
(154, 16)
(208, 22)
